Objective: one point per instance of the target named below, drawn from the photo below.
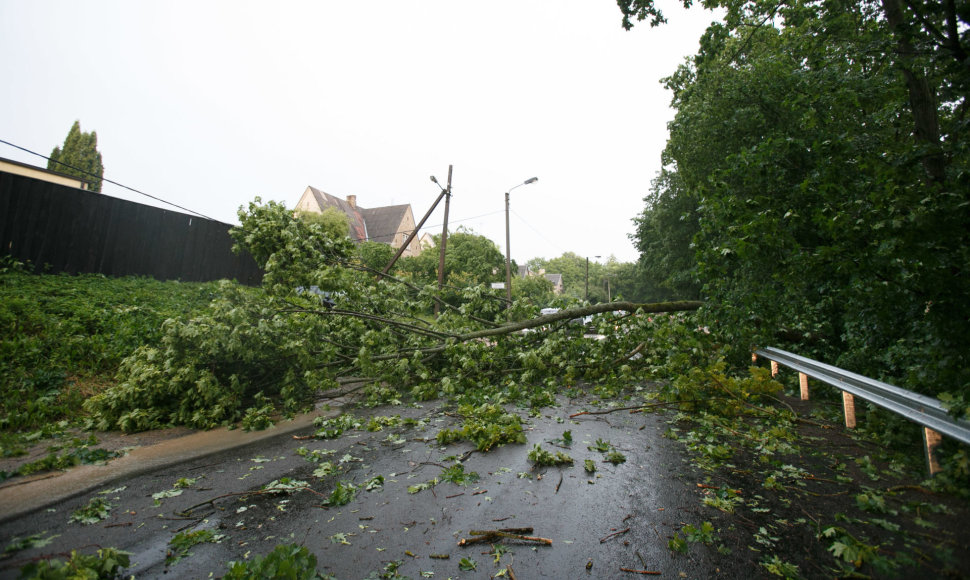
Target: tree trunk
(922, 97)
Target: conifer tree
(79, 157)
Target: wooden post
(932, 439)
(774, 368)
(444, 243)
(803, 384)
(848, 406)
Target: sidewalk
(22, 496)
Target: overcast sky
(209, 104)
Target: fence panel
(71, 230)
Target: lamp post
(587, 276)
(508, 250)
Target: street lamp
(587, 276)
(508, 251)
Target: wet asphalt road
(619, 517)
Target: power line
(108, 180)
(540, 234)
(427, 227)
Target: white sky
(208, 104)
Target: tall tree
(79, 157)
(812, 183)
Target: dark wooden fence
(63, 229)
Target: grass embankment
(62, 338)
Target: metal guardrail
(920, 409)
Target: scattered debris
(623, 531)
(489, 536)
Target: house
(388, 225)
(556, 279)
(18, 168)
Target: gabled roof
(556, 279)
(383, 222)
(358, 227)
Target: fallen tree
(257, 352)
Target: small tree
(79, 157)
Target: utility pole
(444, 242)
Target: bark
(922, 97)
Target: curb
(22, 498)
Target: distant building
(388, 225)
(18, 168)
(556, 279)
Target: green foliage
(343, 493)
(854, 553)
(182, 542)
(292, 251)
(535, 290)
(467, 565)
(614, 457)
(76, 455)
(106, 563)
(285, 561)
(259, 416)
(809, 200)
(703, 534)
(96, 510)
(544, 458)
(589, 466)
(456, 474)
(38, 540)
(333, 428)
(486, 426)
(60, 336)
(375, 255)
(778, 567)
(79, 157)
(208, 368)
(332, 220)
(470, 260)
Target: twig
(456, 495)
(623, 531)
(508, 568)
(636, 409)
(631, 570)
(508, 533)
(188, 510)
(560, 482)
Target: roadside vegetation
(62, 340)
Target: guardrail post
(848, 407)
(774, 368)
(932, 439)
(803, 385)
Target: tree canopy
(79, 157)
(814, 189)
